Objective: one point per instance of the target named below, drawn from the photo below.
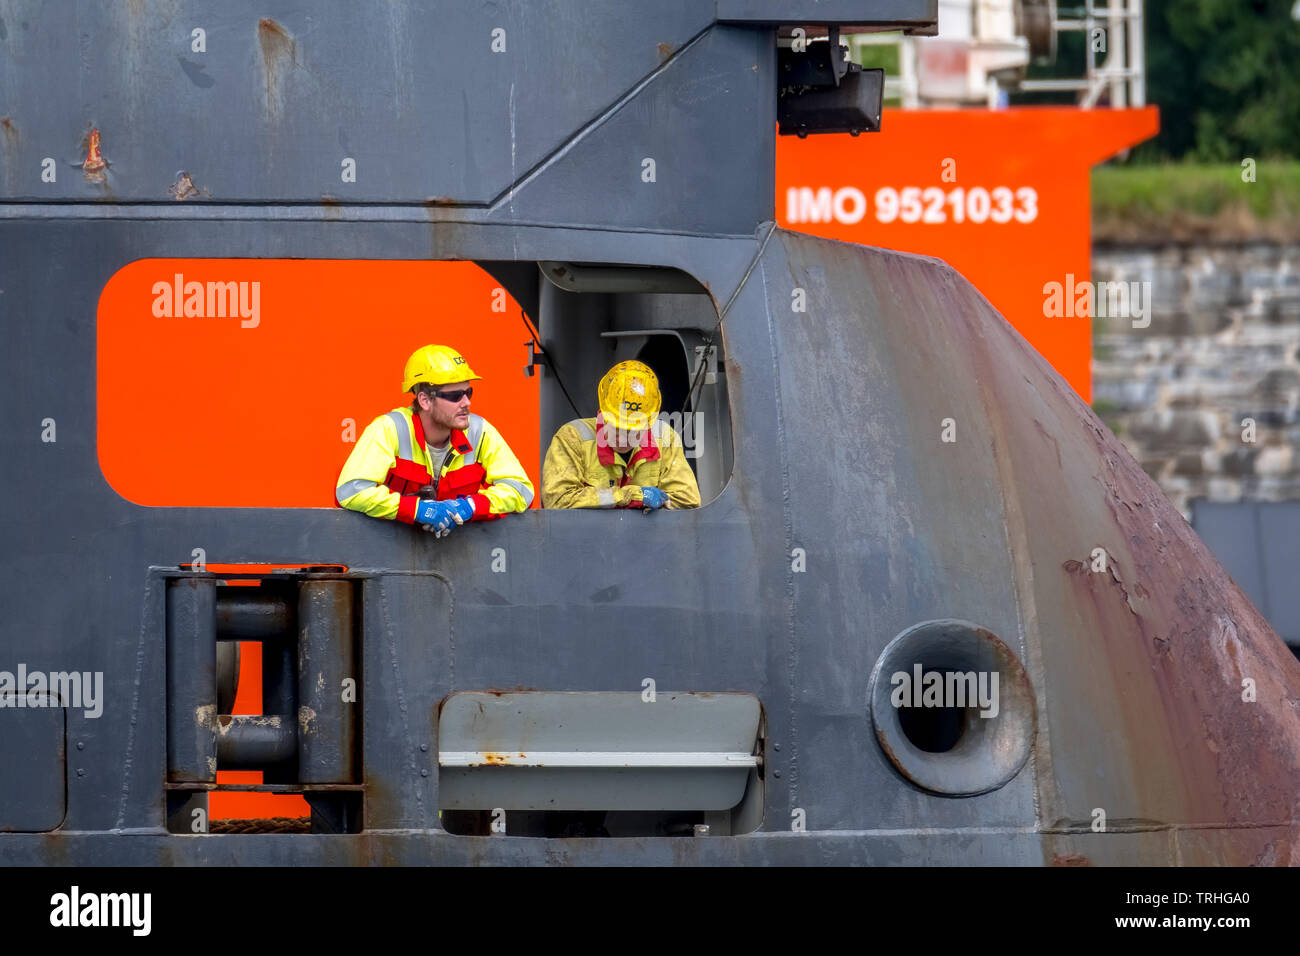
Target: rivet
(777, 774)
(424, 747)
(776, 747)
(81, 772)
(81, 745)
(424, 773)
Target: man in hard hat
(625, 457)
(434, 464)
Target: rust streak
(279, 53)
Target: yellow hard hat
(629, 396)
(436, 365)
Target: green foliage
(1226, 76)
(878, 56)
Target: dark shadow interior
(589, 317)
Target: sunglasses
(456, 396)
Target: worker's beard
(450, 419)
(458, 419)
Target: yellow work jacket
(391, 462)
(582, 472)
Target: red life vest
(407, 477)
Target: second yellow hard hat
(629, 396)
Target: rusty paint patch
(206, 716)
(1079, 567)
(94, 166)
(1070, 859)
(184, 188)
(10, 130)
(665, 51)
(226, 721)
(1114, 576)
(306, 717)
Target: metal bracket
(709, 355)
(535, 359)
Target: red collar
(605, 455)
(458, 439)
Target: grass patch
(1194, 201)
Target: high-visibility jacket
(391, 463)
(582, 472)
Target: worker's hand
(653, 498)
(462, 509)
(436, 516)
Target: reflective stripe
(606, 497)
(403, 435)
(473, 435)
(524, 491)
(353, 487)
(584, 430)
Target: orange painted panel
(250, 408)
(938, 182)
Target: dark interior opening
(935, 730)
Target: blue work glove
(653, 498)
(441, 516)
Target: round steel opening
(952, 708)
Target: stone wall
(1222, 347)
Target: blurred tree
(1226, 76)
